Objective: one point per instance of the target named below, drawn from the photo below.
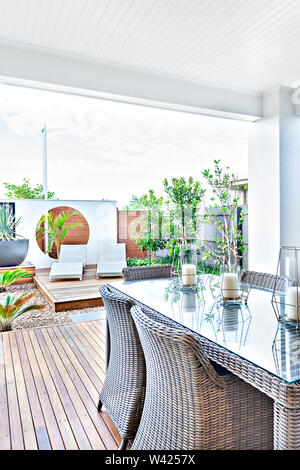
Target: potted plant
(13, 248)
(13, 307)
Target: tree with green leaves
(186, 196)
(150, 238)
(55, 229)
(221, 212)
(135, 204)
(26, 191)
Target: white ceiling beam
(38, 67)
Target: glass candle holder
(188, 263)
(286, 288)
(230, 284)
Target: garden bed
(44, 317)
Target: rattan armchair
(264, 281)
(123, 390)
(187, 404)
(137, 273)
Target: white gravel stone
(44, 317)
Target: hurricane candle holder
(286, 288)
(231, 289)
(230, 284)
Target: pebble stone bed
(44, 317)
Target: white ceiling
(249, 44)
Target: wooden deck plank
(25, 409)
(48, 413)
(92, 339)
(75, 423)
(42, 437)
(97, 374)
(100, 418)
(61, 416)
(90, 402)
(96, 362)
(70, 294)
(80, 370)
(4, 419)
(50, 379)
(64, 368)
(16, 434)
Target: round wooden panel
(76, 236)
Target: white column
(274, 188)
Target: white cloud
(101, 149)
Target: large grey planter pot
(13, 253)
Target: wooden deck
(68, 295)
(50, 380)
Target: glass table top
(250, 331)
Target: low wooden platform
(28, 266)
(50, 380)
(69, 295)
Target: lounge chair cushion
(110, 268)
(73, 254)
(66, 271)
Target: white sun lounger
(71, 262)
(112, 260)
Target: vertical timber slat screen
(127, 223)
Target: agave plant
(8, 223)
(13, 307)
(56, 228)
(9, 277)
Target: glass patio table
(247, 340)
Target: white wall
(100, 215)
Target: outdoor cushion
(66, 271)
(112, 259)
(73, 254)
(110, 268)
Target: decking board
(50, 379)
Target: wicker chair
(124, 387)
(187, 404)
(137, 273)
(264, 281)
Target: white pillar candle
(230, 286)
(189, 276)
(292, 300)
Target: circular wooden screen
(61, 226)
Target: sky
(100, 149)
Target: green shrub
(13, 307)
(9, 277)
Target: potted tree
(13, 248)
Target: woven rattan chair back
(265, 281)
(123, 390)
(187, 404)
(137, 273)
